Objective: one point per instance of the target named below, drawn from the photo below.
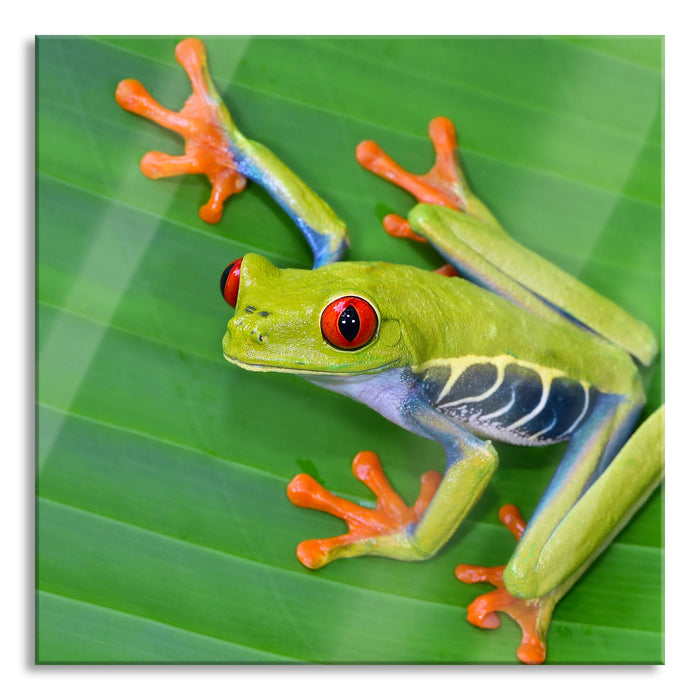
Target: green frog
(499, 345)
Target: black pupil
(224, 278)
(349, 323)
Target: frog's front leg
(393, 529)
(215, 147)
(382, 530)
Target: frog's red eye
(348, 323)
(229, 282)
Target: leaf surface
(163, 529)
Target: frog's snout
(248, 326)
(257, 337)
(250, 332)
(247, 337)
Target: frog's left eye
(229, 282)
(349, 323)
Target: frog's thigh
(460, 240)
(484, 253)
(595, 518)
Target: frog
(499, 344)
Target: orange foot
(532, 615)
(202, 122)
(443, 184)
(382, 530)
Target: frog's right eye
(230, 280)
(348, 323)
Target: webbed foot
(215, 147)
(532, 615)
(204, 123)
(383, 530)
(443, 184)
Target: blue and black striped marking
(508, 400)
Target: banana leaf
(164, 534)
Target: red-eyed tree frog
(500, 345)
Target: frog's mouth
(260, 366)
(301, 368)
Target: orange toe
(532, 615)
(443, 184)
(390, 516)
(202, 123)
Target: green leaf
(164, 532)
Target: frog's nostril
(245, 327)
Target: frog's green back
(480, 249)
(460, 319)
(423, 317)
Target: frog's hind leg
(533, 615)
(469, 237)
(443, 184)
(536, 578)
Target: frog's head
(343, 318)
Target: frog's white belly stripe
(456, 373)
(507, 399)
(503, 410)
(584, 411)
(546, 385)
(545, 430)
